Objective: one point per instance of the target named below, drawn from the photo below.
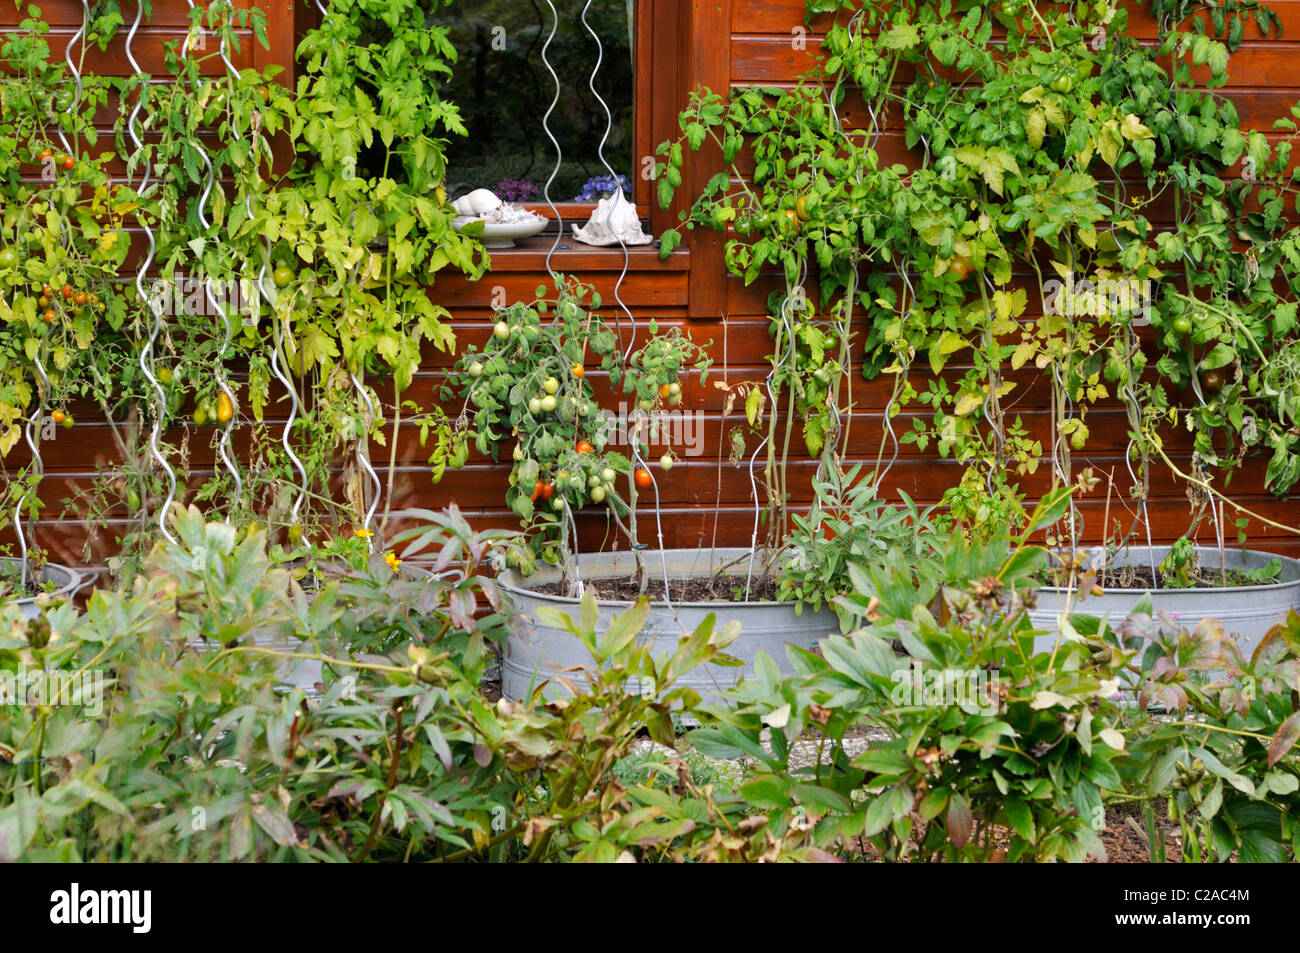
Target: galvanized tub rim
(1158, 552)
(71, 578)
(513, 582)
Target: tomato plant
(529, 389)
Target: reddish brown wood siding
(683, 43)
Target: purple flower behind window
(599, 186)
(516, 190)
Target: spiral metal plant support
(892, 403)
(905, 275)
(987, 409)
(38, 468)
(769, 384)
(278, 333)
(32, 423)
(146, 353)
(76, 73)
(218, 305)
(1064, 406)
(1058, 453)
(363, 458)
(223, 442)
(1136, 408)
(294, 404)
(363, 451)
(618, 284)
(546, 127)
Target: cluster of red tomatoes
(67, 298)
(62, 160)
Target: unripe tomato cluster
(529, 385)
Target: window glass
(503, 90)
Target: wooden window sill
(529, 254)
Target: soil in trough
(1203, 577)
(11, 586)
(720, 588)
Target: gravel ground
(803, 752)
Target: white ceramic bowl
(496, 235)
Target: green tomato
(476, 369)
(8, 258)
(534, 406)
(550, 385)
(557, 504)
(1062, 84)
(282, 276)
(548, 403)
(608, 475)
(501, 330)
(598, 494)
(1182, 324)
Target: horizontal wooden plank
(766, 59)
(1257, 107)
(71, 12)
(784, 17)
(147, 48)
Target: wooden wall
(1263, 84)
(719, 43)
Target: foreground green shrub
(1222, 753)
(176, 740)
(191, 751)
(162, 728)
(995, 752)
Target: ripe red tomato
(643, 478)
(583, 447)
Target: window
(503, 90)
